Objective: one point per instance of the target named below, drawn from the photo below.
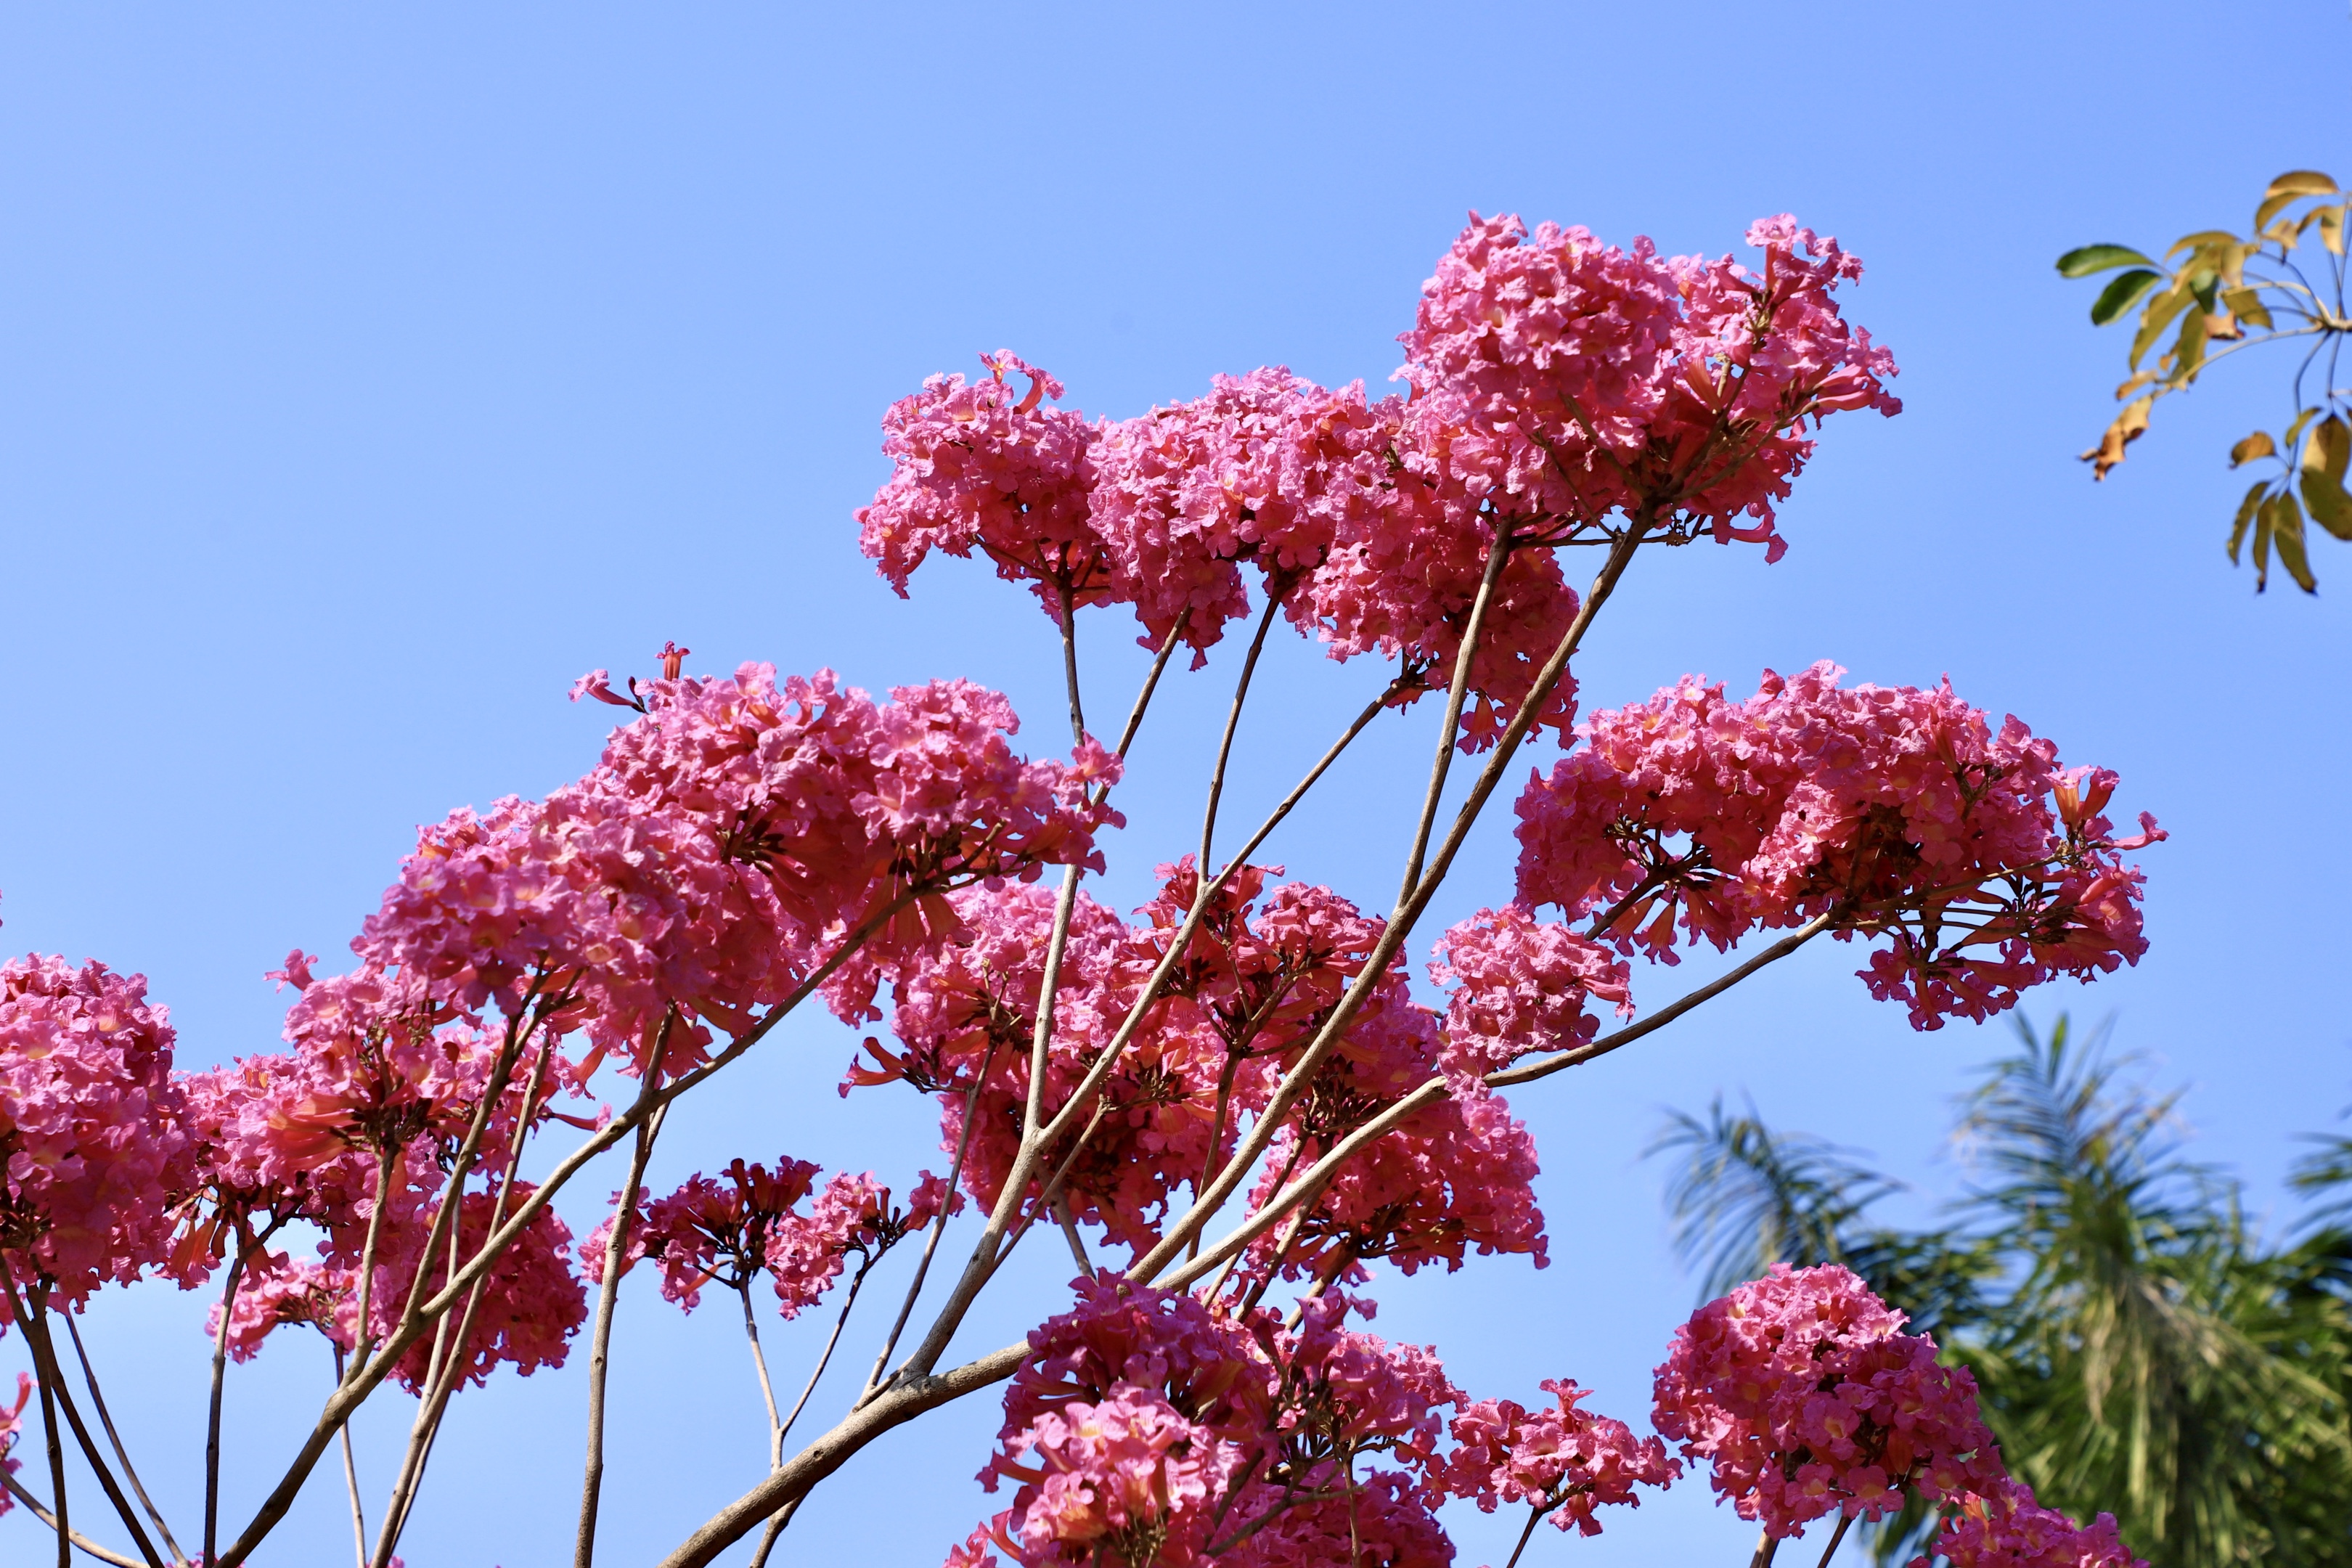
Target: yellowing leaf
(2128, 426)
(2331, 228)
(2287, 532)
(2330, 507)
(2245, 515)
(2247, 305)
(2188, 349)
(2290, 187)
(2265, 519)
(2295, 431)
(2329, 447)
(2158, 315)
(2257, 445)
(2203, 239)
(2134, 384)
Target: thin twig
(367, 1373)
(364, 1339)
(445, 1373)
(52, 1377)
(63, 1524)
(784, 1515)
(615, 1249)
(1528, 1072)
(938, 1225)
(1498, 555)
(352, 1472)
(1232, 723)
(1398, 928)
(220, 1380)
(1078, 1244)
(16, 1490)
(98, 1402)
(1845, 1522)
(1535, 1517)
(759, 1365)
(1150, 684)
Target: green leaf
(2122, 294)
(2258, 444)
(2090, 258)
(2245, 515)
(2287, 532)
(2266, 520)
(2331, 508)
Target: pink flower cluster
(1554, 380)
(730, 1232)
(1146, 1427)
(1454, 1176)
(1564, 1461)
(989, 466)
(726, 842)
(1806, 1398)
(2003, 1527)
(1520, 984)
(525, 1317)
(1900, 812)
(1574, 378)
(89, 1127)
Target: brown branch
(75, 1537)
(616, 1251)
(371, 1371)
(1528, 1072)
(1498, 555)
(121, 1454)
(1232, 723)
(1400, 924)
(897, 1407)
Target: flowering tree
(1233, 1104)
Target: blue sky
(369, 375)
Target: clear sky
(367, 373)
